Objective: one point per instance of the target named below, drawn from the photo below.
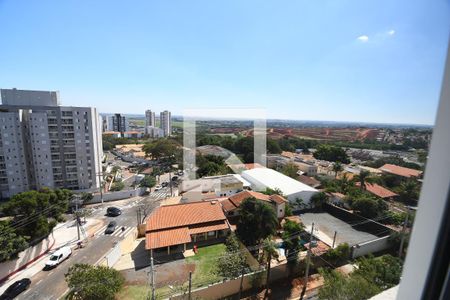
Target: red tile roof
(311, 181)
(207, 228)
(400, 171)
(378, 190)
(235, 201)
(171, 216)
(165, 238)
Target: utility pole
(334, 239)
(190, 285)
(402, 241)
(77, 220)
(153, 275)
(308, 260)
(100, 174)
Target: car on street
(174, 178)
(180, 173)
(113, 211)
(15, 289)
(58, 257)
(164, 184)
(158, 187)
(111, 227)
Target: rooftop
(236, 200)
(378, 190)
(311, 181)
(276, 180)
(400, 171)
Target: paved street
(51, 284)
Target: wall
(371, 247)
(8, 268)
(111, 196)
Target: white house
(262, 178)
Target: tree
(409, 191)
(273, 147)
(270, 251)
(93, 282)
(340, 287)
(10, 243)
(369, 207)
(331, 153)
(161, 149)
(209, 165)
(117, 186)
(148, 181)
(233, 262)
(338, 255)
(337, 167)
(257, 220)
(86, 197)
(362, 178)
(290, 170)
(275, 191)
(291, 236)
(319, 199)
(384, 271)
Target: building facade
(119, 123)
(43, 144)
(150, 118)
(166, 123)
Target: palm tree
(363, 178)
(270, 251)
(337, 167)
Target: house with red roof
(176, 228)
(400, 171)
(231, 204)
(378, 190)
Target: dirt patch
(173, 273)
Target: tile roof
(311, 181)
(378, 190)
(227, 205)
(169, 237)
(171, 216)
(235, 201)
(400, 171)
(207, 228)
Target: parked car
(164, 184)
(158, 187)
(58, 257)
(174, 178)
(113, 211)
(15, 289)
(111, 227)
(180, 173)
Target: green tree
(384, 271)
(273, 147)
(318, 200)
(161, 149)
(86, 197)
(117, 186)
(337, 167)
(275, 191)
(340, 287)
(409, 191)
(257, 220)
(291, 236)
(148, 181)
(10, 243)
(290, 170)
(270, 251)
(369, 207)
(93, 282)
(233, 262)
(338, 255)
(362, 177)
(331, 153)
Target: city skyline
(376, 62)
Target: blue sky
(374, 61)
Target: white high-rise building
(166, 122)
(150, 118)
(43, 144)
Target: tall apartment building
(105, 123)
(119, 123)
(150, 118)
(166, 122)
(43, 144)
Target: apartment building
(150, 118)
(43, 144)
(119, 123)
(166, 123)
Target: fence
(112, 196)
(120, 248)
(373, 246)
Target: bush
(117, 186)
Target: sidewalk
(64, 234)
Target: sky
(348, 60)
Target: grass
(138, 292)
(205, 263)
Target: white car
(58, 256)
(158, 187)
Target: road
(51, 284)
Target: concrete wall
(8, 268)
(112, 196)
(371, 247)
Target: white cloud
(391, 32)
(363, 38)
